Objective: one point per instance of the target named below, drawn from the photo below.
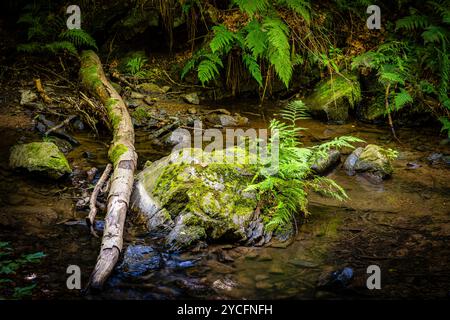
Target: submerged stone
(44, 157)
(138, 259)
(333, 97)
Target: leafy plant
(135, 66)
(264, 40)
(391, 62)
(48, 33)
(10, 265)
(285, 192)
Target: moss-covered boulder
(198, 197)
(373, 160)
(332, 98)
(43, 157)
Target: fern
(207, 71)
(79, 38)
(445, 125)
(31, 47)
(188, 67)
(251, 7)
(253, 67)
(294, 111)
(412, 22)
(135, 66)
(435, 34)
(286, 191)
(59, 46)
(256, 39)
(279, 48)
(402, 98)
(223, 38)
(301, 7)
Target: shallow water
(394, 224)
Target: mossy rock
(43, 157)
(201, 198)
(332, 98)
(143, 116)
(375, 160)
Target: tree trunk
(123, 157)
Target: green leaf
(222, 39)
(279, 48)
(256, 39)
(33, 257)
(252, 6)
(253, 67)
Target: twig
(62, 124)
(90, 220)
(41, 91)
(54, 73)
(183, 85)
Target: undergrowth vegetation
(47, 32)
(284, 192)
(277, 45)
(9, 265)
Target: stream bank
(395, 227)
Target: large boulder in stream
(42, 157)
(372, 160)
(193, 196)
(332, 98)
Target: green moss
(89, 76)
(40, 156)
(334, 96)
(115, 152)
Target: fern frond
(301, 7)
(31, 47)
(435, 34)
(253, 67)
(256, 38)
(279, 48)
(251, 7)
(188, 67)
(79, 38)
(402, 98)
(327, 187)
(222, 39)
(59, 46)
(207, 70)
(294, 111)
(412, 22)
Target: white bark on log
(123, 156)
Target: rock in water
(42, 157)
(372, 160)
(332, 98)
(149, 88)
(139, 259)
(191, 98)
(350, 162)
(323, 165)
(226, 120)
(199, 198)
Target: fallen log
(123, 157)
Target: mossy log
(123, 156)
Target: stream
(393, 225)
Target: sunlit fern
(286, 190)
